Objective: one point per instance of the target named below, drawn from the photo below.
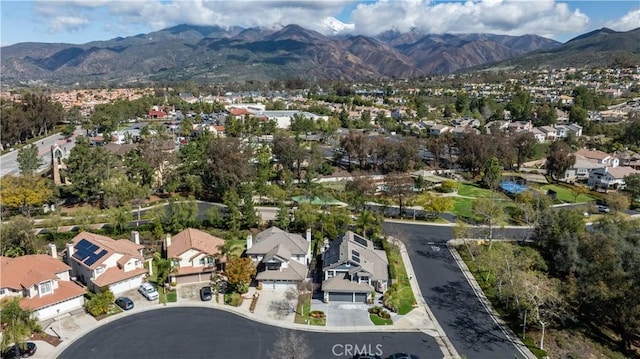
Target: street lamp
(59, 325)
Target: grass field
(566, 195)
(473, 190)
(403, 294)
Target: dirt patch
(53, 340)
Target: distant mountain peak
(332, 26)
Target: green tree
(100, 303)
(633, 185)
(491, 212)
(119, 218)
(520, 106)
(249, 214)
(492, 173)
(239, 272)
(28, 160)
(68, 130)
(434, 203)
(578, 115)
(179, 215)
(559, 159)
(234, 216)
(17, 323)
(282, 215)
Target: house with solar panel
(101, 262)
(353, 268)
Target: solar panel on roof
(81, 256)
(94, 257)
(360, 241)
(93, 248)
(83, 244)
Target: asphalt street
(192, 332)
(465, 321)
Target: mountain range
(215, 54)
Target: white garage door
(277, 284)
(125, 285)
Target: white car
(603, 209)
(148, 291)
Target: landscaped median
(399, 296)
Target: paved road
(463, 318)
(9, 161)
(207, 333)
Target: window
(3, 291)
(99, 270)
(138, 263)
(46, 288)
(175, 262)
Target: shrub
(375, 310)
(384, 314)
(317, 314)
(448, 186)
(100, 303)
(233, 299)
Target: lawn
(167, 296)
(472, 190)
(566, 195)
(402, 294)
(380, 321)
(462, 207)
(302, 312)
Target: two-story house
(194, 254)
(281, 258)
(610, 177)
(101, 262)
(353, 268)
(587, 161)
(42, 282)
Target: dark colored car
(402, 356)
(206, 294)
(124, 303)
(23, 350)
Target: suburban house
(281, 258)
(194, 254)
(437, 130)
(520, 126)
(610, 177)
(43, 282)
(101, 262)
(587, 161)
(353, 268)
(629, 158)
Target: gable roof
(592, 154)
(359, 252)
(295, 271)
(270, 238)
(111, 246)
(26, 271)
(192, 238)
(620, 172)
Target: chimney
(53, 250)
(308, 234)
(70, 251)
(249, 241)
(135, 237)
(167, 241)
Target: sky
(81, 21)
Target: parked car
(206, 294)
(603, 209)
(148, 291)
(124, 303)
(402, 356)
(23, 350)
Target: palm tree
(18, 323)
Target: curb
(511, 336)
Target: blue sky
(80, 21)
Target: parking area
(139, 301)
(343, 314)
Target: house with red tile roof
(101, 262)
(195, 255)
(43, 283)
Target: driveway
(343, 314)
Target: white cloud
(67, 23)
(543, 17)
(629, 21)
